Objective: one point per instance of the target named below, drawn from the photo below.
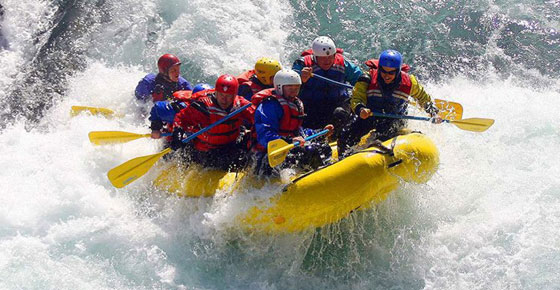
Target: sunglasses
(387, 72)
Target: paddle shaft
(348, 86)
(186, 140)
(405, 117)
(470, 124)
(320, 133)
(290, 146)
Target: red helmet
(166, 61)
(227, 84)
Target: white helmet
(285, 77)
(323, 46)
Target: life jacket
(292, 117)
(164, 89)
(188, 97)
(222, 134)
(320, 97)
(183, 96)
(338, 65)
(249, 78)
(398, 102)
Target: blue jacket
(150, 82)
(163, 112)
(267, 122)
(320, 98)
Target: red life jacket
(398, 102)
(292, 117)
(402, 92)
(338, 64)
(310, 51)
(186, 97)
(249, 78)
(245, 77)
(223, 134)
(182, 96)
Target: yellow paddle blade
(133, 169)
(75, 110)
(277, 151)
(113, 137)
(473, 124)
(449, 110)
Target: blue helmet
(391, 58)
(201, 87)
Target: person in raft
(222, 147)
(384, 89)
(161, 87)
(279, 114)
(259, 78)
(322, 98)
(163, 113)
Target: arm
(299, 65)
(352, 72)
(161, 112)
(423, 98)
(267, 121)
(359, 94)
(145, 88)
(164, 111)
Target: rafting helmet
(266, 68)
(391, 58)
(201, 87)
(166, 61)
(227, 84)
(323, 46)
(285, 77)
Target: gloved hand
(177, 139)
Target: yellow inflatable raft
(324, 196)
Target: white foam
(489, 217)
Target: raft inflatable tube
(326, 195)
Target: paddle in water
(133, 169)
(278, 149)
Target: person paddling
(161, 87)
(280, 114)
(163, 113)
(384, 89)
(320, 97)
(222, 147)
